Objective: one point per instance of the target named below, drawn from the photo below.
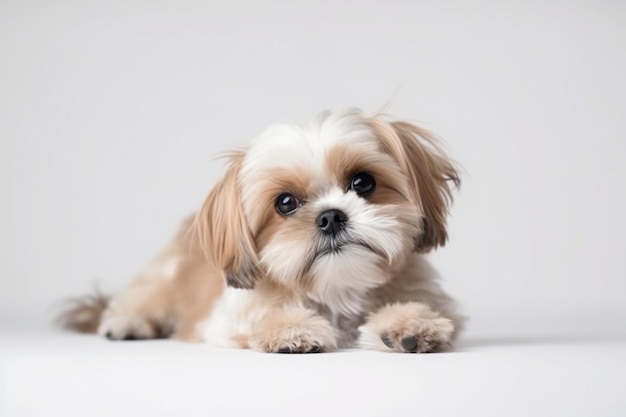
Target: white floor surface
(51, 373)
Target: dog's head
(329, 209)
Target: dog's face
(330, 209)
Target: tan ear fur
(431, 174)
(223, 230)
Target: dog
(315, 239)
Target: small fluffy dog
(314, 240)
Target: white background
(112, 114)
(111, 117)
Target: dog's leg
(169, 297)
(293, 330)
(407, 327)
(144, 310)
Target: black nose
(331, 221)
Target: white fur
(227, 318)
(117, 326)
(239, 312)
(291, 145)
(343, 280)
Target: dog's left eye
(363, 184)
(286, 204)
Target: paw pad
(387, 341)
(410, 343)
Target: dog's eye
(363, 184)
(286, 204)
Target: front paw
(294, 331)
(410, 327)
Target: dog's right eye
(286, 204)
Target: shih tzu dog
(314, 240)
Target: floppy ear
(223, 230)
(431, 175)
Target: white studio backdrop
(112, 114)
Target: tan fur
(83, 314)
(429, 171)
(301, 229)
(294, 329)
(266, 221)
(344, 162)
(398, 321)
(166, 306)
(221, 219)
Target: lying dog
(314, 240)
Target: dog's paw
(293, 331)
(410, 327)
(115, 326)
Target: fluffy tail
(83, 313)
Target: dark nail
(130, 337)
(315, 349)
(109, 335)
(284, 349)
